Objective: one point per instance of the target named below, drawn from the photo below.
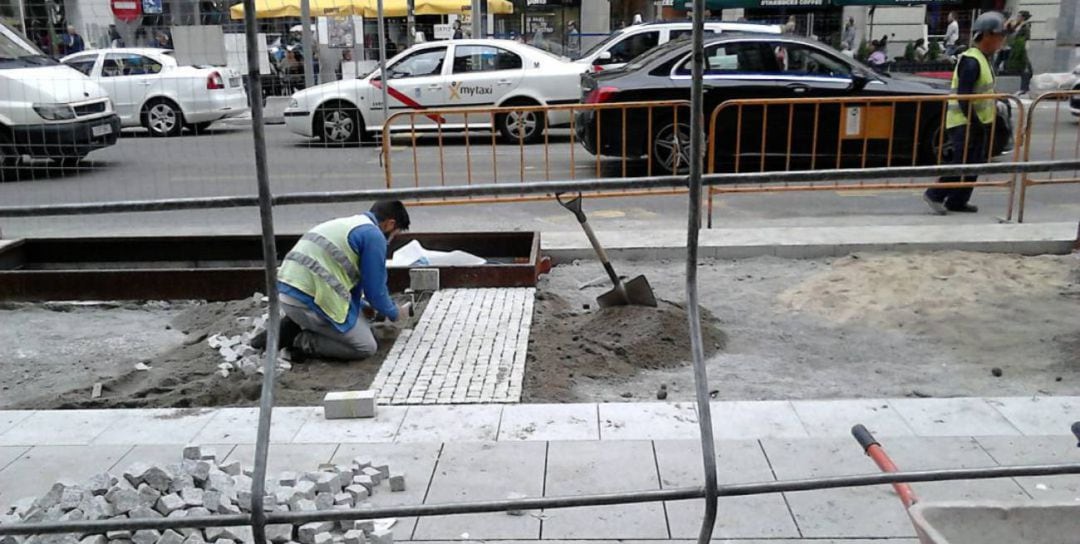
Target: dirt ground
(867, 325)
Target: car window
(632, 46)
(129, 64)
(428, 62)
(484, 58)
(735, 58)
(799, 59)
(84, 64)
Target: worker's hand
(369, 312)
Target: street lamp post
(309, 47)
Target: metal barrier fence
(760, 135)
(1071, 99)
(525, 128)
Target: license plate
(101, 130)
(235, 82)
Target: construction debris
(349, 404)
(198, 486)
(237, 353)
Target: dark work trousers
(976, 154)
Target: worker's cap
(990, 22)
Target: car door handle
(503, 82)
(433, 86)
(798, 88)
(147, 83)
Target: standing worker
(967, 122)
(334, 280)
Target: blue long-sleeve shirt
(370, 244)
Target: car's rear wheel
(162, 118)
(671, 148)
(338, 124)
(521, 126)
(936, 144)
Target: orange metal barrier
(761, 135)
(433, 133)
(1058, 138)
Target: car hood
(56, 84)
(333, 88)
(918, 84)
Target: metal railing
(1071, 150)
(483, 140)
(850, 133)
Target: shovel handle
(574, 205)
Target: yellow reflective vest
(324, 266)
(984, 110)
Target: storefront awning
(274, 9)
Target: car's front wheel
(338, 124)
(521, 126)
(163, 118)
(671, 148)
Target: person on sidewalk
(952, 35)
(967, 122)
(334, 280)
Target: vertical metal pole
(693, 226)
(382, 61)
(477, 24)
(22, 19)
(410, 21)
(266, 217)
(309, 47)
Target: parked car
(47, 109)
(630, 42)
(763, 66)
(151, 89)
(444, 74)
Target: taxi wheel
(517, 126)
(163, 118)
(935, 146)
(671, 148)
(338, 124)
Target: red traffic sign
(126, 10)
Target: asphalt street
(221, 163)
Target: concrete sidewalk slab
(1016, 450)
(155, 426)
(549, 422)
(445, 423)
(953, 417)
(11, 453)
(836, 417)
(736, 420)
(1039, 415)
(60, 427)
(284, 457)
(762, 516)
(34, 471)
(648, 421)
(240, 425)
(381, 428)
(476, 471)
(11, 418)
(931, 453)
(576, 468)
(821, 241)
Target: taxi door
(481, 76)
(416, 83)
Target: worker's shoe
(963, 208)
(935, 206)
(287, 332)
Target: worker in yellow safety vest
(967, 122)
(334, 280)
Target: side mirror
(859, 79)
(604, 56)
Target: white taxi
(149, 88)
(444, 74)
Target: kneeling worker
(333, 281)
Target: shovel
(636, 292)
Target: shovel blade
(636, 292)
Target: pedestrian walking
(73, 42)
(573, 39)
(952, 35)
(967, 122)
(847, 41)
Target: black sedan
(810, 135)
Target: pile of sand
(568, 346)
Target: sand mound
(568, 346)
(900, 288)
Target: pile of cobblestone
(200, 486)
(237, 353)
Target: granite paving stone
(450, 423)
(929, 453)
(576, 468)
(953, 417)
(549, 422)
(648, 421)
(1039, 415)
(239, 425)
(60, 427)
(10, 418)
(284, 457)
(825, 418)
(381, 428)
(738, 461)
(473, 471)
(156, 426)
(1037, 450)
(735, 420)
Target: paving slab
(381, 428)
(825, 418)
(284, 457)
(10, 418)
(1039, 415)
(417, 460)
(953, 417)
(60, 427)
(450, 423)
(37, 469)
(576, 468)
(693, 541)
(736, 420)
(930, 453)
(1032, 450)
(836, 513)
(472, 471)
(741, 461)
(156, 426)
(648, 421)
(11, 453)
(240, 425)
(549, 422)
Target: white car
(150, 89)
(444, 74)
(627, 43)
